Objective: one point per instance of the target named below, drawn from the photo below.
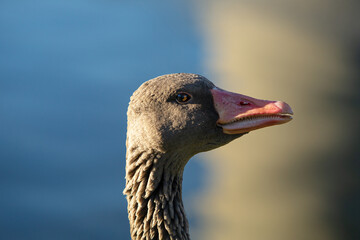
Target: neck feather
(153, 191)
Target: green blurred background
(67, 70)
(300, 180)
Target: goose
(170, 119)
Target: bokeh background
(68, 68)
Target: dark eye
(182, 97)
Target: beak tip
(284, 107)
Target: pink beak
(240, 114)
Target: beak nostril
(243, 103)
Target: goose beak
(241, 114)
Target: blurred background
(68, 68)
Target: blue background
(67, 70)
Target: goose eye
(182, 97)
